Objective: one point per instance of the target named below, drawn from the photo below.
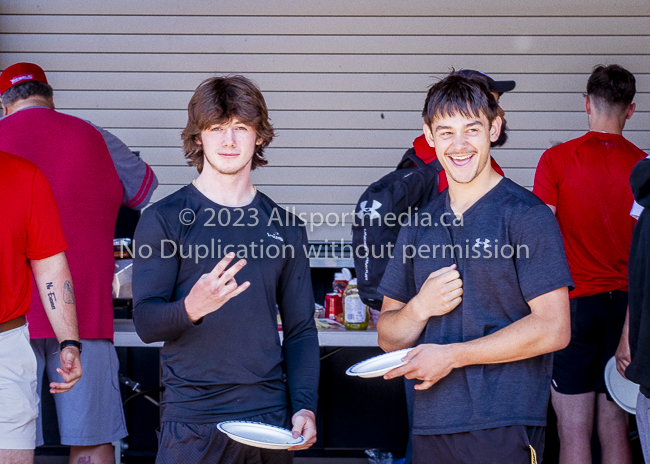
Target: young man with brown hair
(222, 358)
(483, 300)
(585, 182)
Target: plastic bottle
(355, 313)
(341, 280)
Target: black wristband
(74, 343)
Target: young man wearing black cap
(427, 153)
(482, 343)
(497, 88)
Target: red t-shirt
(427, 154)
(31, 229)
(588, 180)
(73, 156)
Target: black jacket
(639, 282)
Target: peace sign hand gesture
(214, 289)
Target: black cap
(495, 86)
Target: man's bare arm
(397, 328)
(546, 329)
(54, 284)
(400, 325)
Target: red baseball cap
(21, 72)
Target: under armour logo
(485, 243)
(372, 210)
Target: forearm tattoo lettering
(52, 297)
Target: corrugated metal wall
(344, 80)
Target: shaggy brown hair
(456, 94)
(218, 101)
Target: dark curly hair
(219, 100)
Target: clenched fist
(440, 293)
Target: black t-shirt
(509, 250)
(231, 364)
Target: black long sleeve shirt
(231, 364)
(639, 282)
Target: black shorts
(596, 326)
(492, 446)
(180, 443)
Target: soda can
(333, 306)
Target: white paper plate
(379, 365)
(622, 390)
(260, 435)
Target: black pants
(501, 445)
(184, 443)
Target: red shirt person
(585, 182)
(31, 241)
(92, 173)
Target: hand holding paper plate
(260, 435)
(379, 365)
(622, 390)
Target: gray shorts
(91, 412)
(180, 442)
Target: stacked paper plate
(379, 365)
(260, 435)
(622, 390)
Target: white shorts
(91, 412)
(18, 397)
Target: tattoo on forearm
(52, 297)
(85, 460)
(49, 285)
(68, 293)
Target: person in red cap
(585, 182)
(31, 243)
(92, 174)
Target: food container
(333, 306)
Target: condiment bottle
(355, 313)
(341, 280)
